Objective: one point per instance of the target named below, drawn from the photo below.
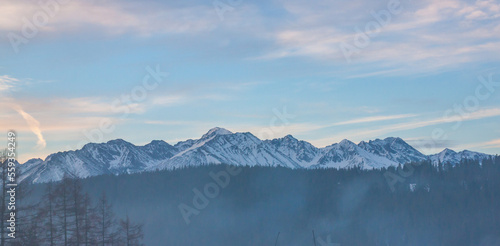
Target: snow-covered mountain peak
(394, 149)
(448, 151)
(289, 138)
(182, 145)
(216, 131)
(219, 146)
(452, 157)
(33, 161)
(385, 141)
(118, 141)
(157, 143)
(346, 143)
(49, 157)
(394, 141)
(397, 139)
(287, 141)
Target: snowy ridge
(347, 154)
(219, 146)
(450, 156)
(394, 149)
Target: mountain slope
(114, 157)
(301, 152)
(218, 147)
(394, 149)
(222, 146)
(347, 154)
(451, 157)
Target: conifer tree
(130, 232)
(105, 220)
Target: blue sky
(425, 71)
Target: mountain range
(222, 146)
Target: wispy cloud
(112, 17)
(306, 128)
(169, 122)
(374, 119)
(427, 35)
(7, 82)
(375, 132)
(181, 99)
(373, 74)
(492, 144)
(63, 115)
(80, 105)
(34, 125)
(422, 143)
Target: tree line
(66, 215)
(430, 205)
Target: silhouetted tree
(131, 233)
(76, 210)
(88, 223)
(47, 210)
(105, 220)
(63, 208)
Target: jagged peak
(117, 141)
(470, 152)
(216, 131)
(346, 141)
(33, 160)
(289, 137)
(445, 151)
(157, 142)
(49, 157)
(286, 140)
(397, 139)
(387, 139)
(188, 141)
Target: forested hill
(420, 204)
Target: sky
(74, 71)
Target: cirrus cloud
(34, 126)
